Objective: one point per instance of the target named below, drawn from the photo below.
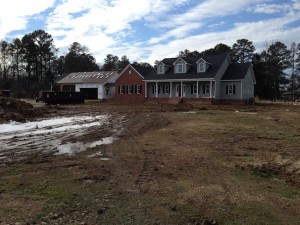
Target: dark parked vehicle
(5, 93)
(53, 98)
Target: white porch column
(241, 90)
(210, 89)
(181, 89)
(215, 89)
(156, 89)
(146, 89)
(170, 89)
(197, 89)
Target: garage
(94, 85)
(90, 93)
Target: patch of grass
(279, 135)
(263, 174)
(283, 190)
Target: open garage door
(90, 93)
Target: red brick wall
(130, 77)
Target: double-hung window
(129, 89)
(154, 89)
(121, 89)
(138, 89)
(230, 89)
(201, 67)
(194, 89)
(180, 67)
(207, 88)
(166, 89)
(160, 69)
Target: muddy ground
(169, 164)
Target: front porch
(165, 90)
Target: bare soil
(171, 164)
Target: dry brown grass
(173, 165)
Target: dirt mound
(16, 110)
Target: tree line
(31, 63)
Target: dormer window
(180, 67)
(161, 69)
(201, 67)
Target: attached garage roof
(101, 77)
(236, 71)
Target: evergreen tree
(276, 61)
(242, 51)
(79, 60)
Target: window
(129, 89)
(121, 89)
(194, 89)
(166, 89)
(154, 89)
(179, 67)
(201, 67)
(207, 88)
(230, 89)
(138, 89)
(160, 69)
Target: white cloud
(271, 8)
(138, 28)
(102, 25)
(14, 14)
(259, 32)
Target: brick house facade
(130, 85)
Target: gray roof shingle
(215, 62)
(236, 71)
(142, 70)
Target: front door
(178, 90)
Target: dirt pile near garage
(15, 110)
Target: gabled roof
(201, 59)
(100, 77)
(185, 59)
(161, 62)
(215, 62)
(236, 71)
(142, 70)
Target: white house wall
(236, 96)
(248, 87)
(101, 91)
(218, 77)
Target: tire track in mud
(19, 145)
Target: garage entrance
(90, 93)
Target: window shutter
(158, 89)
(233, 89)
(192, 87)
(141, 91)
(226, 89)
(119, 89)
(164, 87)
(203, 88)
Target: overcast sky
(149, 30)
